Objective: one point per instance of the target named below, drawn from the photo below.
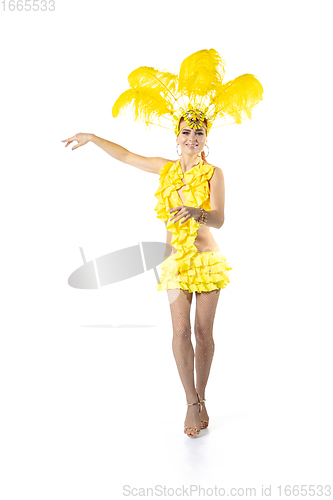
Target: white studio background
(90, 395)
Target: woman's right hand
(82, 139)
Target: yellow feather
(123, 100)
(201, 73)
(147, 104)
(237, 98)
(162, 81)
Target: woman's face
(191, 141)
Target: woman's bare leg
(206, 303)
(180, 306)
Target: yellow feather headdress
(196, 94)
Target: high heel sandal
(203, 423)
(195, 429)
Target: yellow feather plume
(237, 98)
(148, 104)
(201, 73)
(199, 86)
(162, 81)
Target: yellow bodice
(196, 194)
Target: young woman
(190, 198)
(191, 142)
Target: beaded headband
(191, 127)
(194, 118)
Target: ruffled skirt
(208, 271)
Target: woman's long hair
(203, 155)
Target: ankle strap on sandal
(201, 400)
(198, 403)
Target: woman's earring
(208, 150)
(177, 150)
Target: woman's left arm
(215, 216)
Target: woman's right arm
(152, 165)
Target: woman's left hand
(185, 212)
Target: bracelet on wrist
(203, 217)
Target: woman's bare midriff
(204, 240)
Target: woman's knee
(182, 332)
(203, 333)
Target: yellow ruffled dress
(188, 269)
